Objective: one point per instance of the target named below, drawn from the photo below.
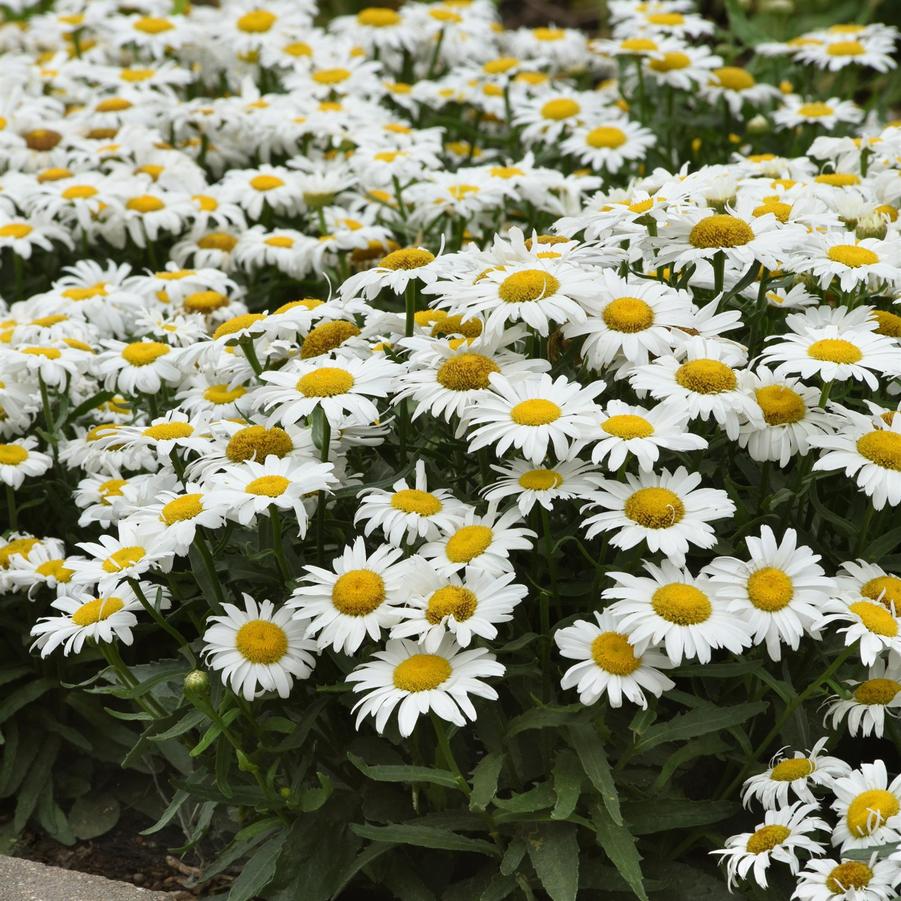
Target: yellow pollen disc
(706, 377)
(889, 323)
(308, 303)
(412, 500)
(136, 75)
(468, 542)
(100, 431)
(378, 17)
(838, 179)
(79, 192)
(58, 174)
(256, 22)
(110, 488)
(869, 810)
(237, 323)
(848, 875)
(422, 672)
(815, 110)
(606, 136)
(527, 285)
(467, 372)
(780, 405)
(627, 426)
(875, 618)
(298, 48)
(734, 79)
(655, 508)
(720, 230)
(145, 203)
(613, 653)
(152, 25)
(549, 34)
(96, 611)
(877, 691)
(266, 182)
(283, 241)
(452, 600)
(188, 506)
(455, 325)
(562, 108)
(670, 61)
(12, 455)
(261, 641)
(459, 192)
(327, 336)
(628, 314)
(15, 230)
(638, 45)
(268, 486)
(407, 258)
(681, 604)
(852, 255)
(256, 442)
(770, 589)
(205, 301)
(55, 569)
(358, 592)
(42, 139)
(167, 431)
(325, 382)
(846, 48)
(665, 18)
(143, 353)
(884, 589)
(21, 546)
(113, 105)
(834, 350)
(500, 65)
(331, 76)
(780, 210)
(445, 15)
(766, 838)
(540, 480)
(792, 769)
(535, 412)
(217, 241)
(50, 353)
(882, 447)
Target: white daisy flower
(876, 627)
(878, 696)
(120, 557)
(565, 481)
(19, 459)
(869, 581)
(141, 366)
(866, 263)
(608, 144)
(394, 271)
(868, 807)
(848, 880)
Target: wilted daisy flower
(668, 511)
(778, 592)
(878, 696)
(19, 459)
(358, 597)
(796, 775)
(848, 880)
(876, 627)
(609, 663)
(781, 835)
(868, 807)
(407, 514)
(414, 683)
(564, 481)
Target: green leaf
(567, 778)
(484, 780)
(701, 721)
(619, 846)
(705, 746)
(87, 405)
(543, 718)
(659, 815)
(499, 888)
(423, 837)
(540, 797)
(258, 872)
(39, 770)
(588, 746)
(168, 814)
(554, 852)
(93, 815)
(24, 696)
(396, 773)
(214, 731)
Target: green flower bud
(197, 684)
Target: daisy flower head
(258, 649)
(467, 606)
(778, 592)
(174, 431)
(409, 514)
(112, 559)
(482, 540)
(869, 581)
(671, 607)
(139, 366)
(520, 479)
(796, 775)
(404, 678)
(609, 663)
(780, 837)
(395, 271)
(868, 807)
(45, 566)
(358, 598)
(875, 626)
(641, 432)
(736, 87)
(609, 144)
(868, 263)
(870, 701)
(668, 511)
(533, 414)
(826, 114)
(848, 880)
(20, 459)
(848, 50)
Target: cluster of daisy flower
(343, 300)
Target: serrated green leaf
(619, 846)
(590, 751)
(257, 873)
(484, 780)
(406, 774)
(423, 837)
(647, 817)
(554, 851)
(93, 815)
(701, 721)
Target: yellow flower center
(875, 618)
(770, 589)
(86, 293)
(780, 405)
(452, 600)
(527, 285)
(283, 241)
(260, 641)
(110, 488)
(325, 382)
(815, 110)
(877, 691)
(665, 18)
(834, 350)
(468, 372)
(50, 353)
(266, 182)
(627, 425)
(188, 506)
(468, 542)
(143, 353)
(628, 314)
(268, 486)
(327, 336)
(540, 480)
(549, 34)
(422, 672)
(606, 136)
(152, 25)
(358, 592)
(884, 589)
(15, 230)
(256, 442)
(55, 569)
(779, 209)
(720, 230)
(869, 810)
(257, 21)
(655, 508)
(850, 874)
(412, 500)
(766, 838)
(145, 203)
(706, 377)
(889, 323)
(852, 255)
(838, 179)
(681, 604)
(205, 301)
(638, 45)
(559, 109)
(237, 324)
(218, 241)
(21, 546)
(79, 192)
(113, 105)
(133, 76)
(670, 61)
(792, 769)
(882, 447)
(535, 412)
(455, 325)
(734, 79)
(220, 394)
(613, 653)
(167, 431)
(12, 454)
(57, 173)
(846, 48)
(407, 258)
(500, 65)
(331, 76)
(42, 139)
(123, 558)
(378, 17)
(96, 610)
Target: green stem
(864, 529)
(320, 506)
(11, 506)
(114, 659)
(276, 525)
(719, 272)
(204, 550)
(410, 302)
(250, 352)
(447, 753)
(161, 621)
(824, 395)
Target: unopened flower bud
(777, 7)
(758, 125)
(197, 684)
(873, 225)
